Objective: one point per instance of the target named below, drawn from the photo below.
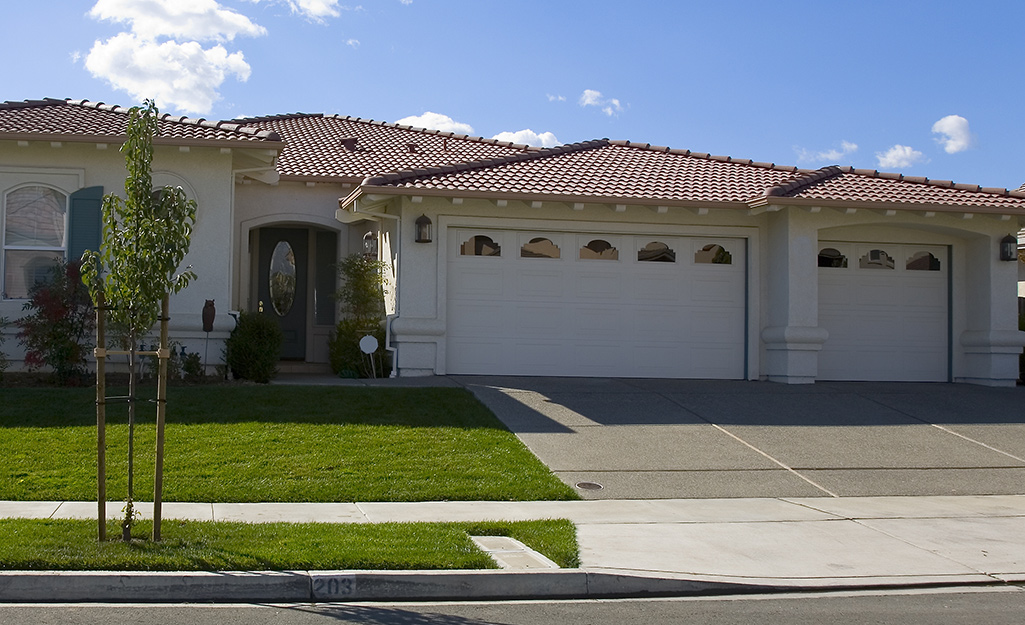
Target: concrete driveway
(652, 439)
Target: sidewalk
(628, 548)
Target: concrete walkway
(628, 547)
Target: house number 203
(334, 587)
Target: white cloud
(352, 42)
(833, 155)
(406, 2)
(436, 121)
(609, 106)
(956, 135)
(184, 75)
(899, 156)
(199, 20)
(161, 57)
(556, 98)
(316, 10)
(529, 137)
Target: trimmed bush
(254, 347)
(347, 360)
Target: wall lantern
(370, 245)
(1009, 248)
(423, 229)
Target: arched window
(540, 248)
(922, 261)
(35, 224)
(599, 249)
(831, 257)
(876, 259)
(480, 245)
(656, 252)
(713, 254)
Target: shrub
(362, 299)
(56, 332)
(192, 367)
(254, 347)
(347, 360)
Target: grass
(272, 443)
(219, 546)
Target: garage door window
(876, 259)
(540, 248)
(832, 257)
(480, 245)
(923, 261)
(599, 249)
(713, 254)
(656, 252)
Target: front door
(282, 285)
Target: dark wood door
(282, 277)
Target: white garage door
(886, 309)
(572, 304)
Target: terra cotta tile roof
(321, 146)
(610, 170)
(81, 120)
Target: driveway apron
(652, 439)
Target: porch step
(309, 368)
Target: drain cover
(589, 486)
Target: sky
(922, 88)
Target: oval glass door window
(282, 278)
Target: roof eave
(259, 144)
(765, 201)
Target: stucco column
(792, 336)
(417, 331)
(992, 341)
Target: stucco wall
(204, 173)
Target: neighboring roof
(314, 148)
(604, 170)
(81, 120)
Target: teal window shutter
(85, 223)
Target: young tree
(145, 239)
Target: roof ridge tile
(804, 181)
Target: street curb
(328, 586)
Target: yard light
(370, 245)
(1009, 248)
(423, 229)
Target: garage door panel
(477, 282)
(539, 283)
(597, 323)
(598, 285)
(536, 320)
(477, 319)
(654, 287)
(615, 316)
(885, 324)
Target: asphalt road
(994, 606)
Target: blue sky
(925, 88)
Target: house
(601, 258)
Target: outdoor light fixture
(423, 229)
(370, 245)
(1009, 248)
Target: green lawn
(272, 443)
(208, 546)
